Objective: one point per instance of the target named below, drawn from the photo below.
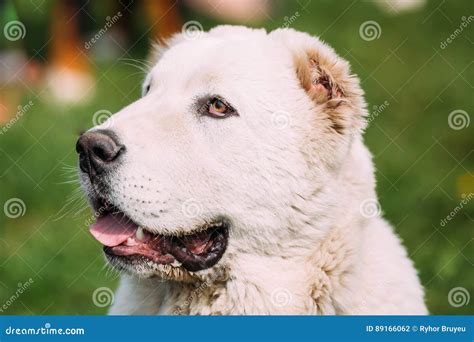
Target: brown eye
(218, 108)
(214, 106)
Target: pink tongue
(113, 229)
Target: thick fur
(291, 172)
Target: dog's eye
(218, 108)
(146, 89)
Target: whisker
(143, 62)
(145, 68)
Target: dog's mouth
(197, 251)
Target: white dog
(239, 184)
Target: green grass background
(423, 166)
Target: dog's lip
(195, 251)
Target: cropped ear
(327, 81)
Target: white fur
(299, 243)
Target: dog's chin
(142, 267)
(139, 251)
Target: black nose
(98, 151)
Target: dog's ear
(327, 80)
(159, 47)
(318, 82)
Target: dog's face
(233, 130)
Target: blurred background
(68, 65)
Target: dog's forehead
(218, 55)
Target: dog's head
(236, 133)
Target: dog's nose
(98, 151)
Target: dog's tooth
(140, 235)
(176, 263)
